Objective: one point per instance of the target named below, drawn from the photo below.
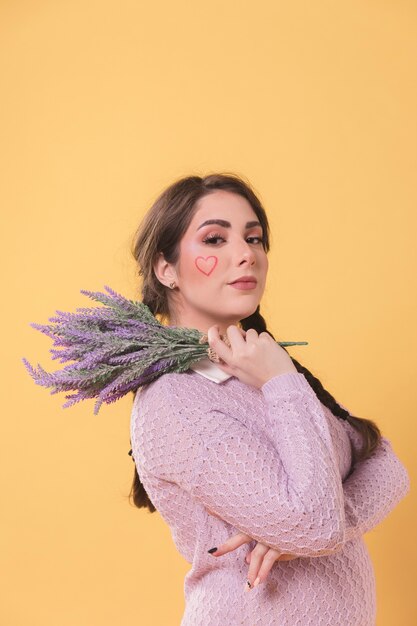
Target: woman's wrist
(290, 370)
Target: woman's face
(212, 255)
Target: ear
(164, 271)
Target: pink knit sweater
(275, 464)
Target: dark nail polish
(212, 550)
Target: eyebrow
(227, 224)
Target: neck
(203, 324)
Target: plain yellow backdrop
(103, 104)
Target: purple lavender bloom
(113, 349)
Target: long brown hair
(161, 230)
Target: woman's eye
(213, 237)
(258, 238)
(210, 238)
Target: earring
(172, 285)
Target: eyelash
(218, 236)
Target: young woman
(251, 451)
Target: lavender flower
(116, 349)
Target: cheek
(195, 263)
(205, 264)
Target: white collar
(210, 370)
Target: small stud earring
(172, 285)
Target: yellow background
(105, 103)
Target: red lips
(244, 279)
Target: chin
(246, 311)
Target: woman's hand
(260, 559)
(254, 359)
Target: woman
(251, 450)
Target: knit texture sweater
(217, 457)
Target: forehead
(223, 204)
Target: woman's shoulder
(170, 383)
(175, 405)
(174, 389)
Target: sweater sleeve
(374, 487)
(282, 488)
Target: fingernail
(257, 581)
(212, 550)
(248, 586)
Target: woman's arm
(374, 487)
(283, 489)
(372, 490)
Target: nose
(245, 254)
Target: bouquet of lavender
(116, 349)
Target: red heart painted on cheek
(206, 264)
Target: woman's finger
(231, 544)
(235, 336)
(256, 561)
(267, 562)
(218, 345)
(251, 335)
(259, 573)
(288, 557)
